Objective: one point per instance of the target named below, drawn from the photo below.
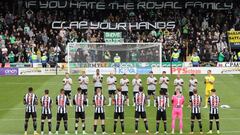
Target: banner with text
(234, 39)
(113, 37)
(103, 5)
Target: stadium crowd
(198, 32)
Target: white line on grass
(224, 132)
(109, 118)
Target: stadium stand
(25, 32)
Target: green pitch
(12, 90)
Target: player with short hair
(30, 101)
(111, 82)
(140, 110)
(97, 80)
(209, 81)
(195, 105)
(214, 102)
(83, 81)
(124, 82)
(151, 82)
(177, 103)
(192, 84)
(99, 102)
(161, 102)
(164, 81)
(137, 83)
(62, 102)
(79, 101)
(67, 86)
(118, 102)
(46, 103)
(178, 83)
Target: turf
(12, 109)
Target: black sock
(58, 124)
(26, 125)
(192, 126)
(122, 126)
(65, 125)
(146, 124)
(165, 126)
(49, 126)
(136, 125)
(76, 124)
(217, 123)
(200, 125)
(210, 125)
(83, 125)
(94, 128)
(114, 126)
(42, 126)
(157, 126)
(103, 128)
(34, 125)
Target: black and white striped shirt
(62, 102)
(119, 100)
(214, 102)
(195, 101)
(140, 100)
(99, 102)
(46, 103)
(30, 101)
(161, 103)
(79, 102)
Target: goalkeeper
(209, 81)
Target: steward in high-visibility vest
(44, 60)
(34, 58)
(238, 54)
(117, 60)
(195, 60)
(175, 55)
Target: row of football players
(79, 100)
(124, 82)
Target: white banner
(157, 70)
(231, 70)
(102, 70)
(41, 71)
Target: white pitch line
(224, 132)
(109, 118)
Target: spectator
(11, 57)
(220, 57)
(195, 60)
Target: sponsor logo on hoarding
(8, 71)
(234, 70)
(228, 64)
(185, 70)
(143, 70)
(126, 70)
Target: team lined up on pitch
(118, 96)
